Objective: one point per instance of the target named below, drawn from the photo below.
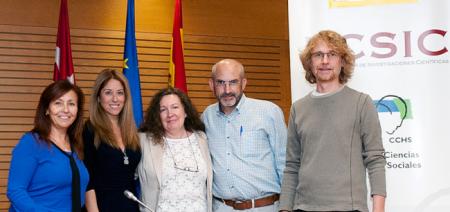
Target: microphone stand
(131, 196)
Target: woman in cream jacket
(175, 170)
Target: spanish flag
(177, 76)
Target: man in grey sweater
(334, 136)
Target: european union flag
(130, 64)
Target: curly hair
(338, 44)
(152, 124)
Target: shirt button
(228, 169)
(228, 137)
(228, 153)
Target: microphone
(131, 196)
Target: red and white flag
(63, 68)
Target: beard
(230, 99)
(326, 77)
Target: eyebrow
(110, 89)
(227, 80)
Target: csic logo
(392, 111)
(388, 44)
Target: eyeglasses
(318, 56)
(188, 169)
(223, 83)
(175, 164)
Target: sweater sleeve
(23, 165)
(290, 178)
(373, 151)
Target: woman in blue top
(46, 172)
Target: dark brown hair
(152, 123)
(43, 123)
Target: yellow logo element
(125, 65)
(361, 3)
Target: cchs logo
(393, 110)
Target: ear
(211, 84)
(342, 62)
(244, 83)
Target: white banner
(403, 64)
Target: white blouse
(183, 184)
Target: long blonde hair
(99, 119)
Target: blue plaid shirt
(248, 149)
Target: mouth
(170, 121)
(64, 117)
(325, 69)
(114, 106)
(227, 96)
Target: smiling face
(112, 98)
(63, 111)
(326, 64)
(172, 114)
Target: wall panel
(252, 31)
(26, 65)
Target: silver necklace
(125, 157)
(175, 165)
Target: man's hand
(378, 203)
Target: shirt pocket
(254, 143)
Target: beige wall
(252, 31)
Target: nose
(66, 107)
(325, 58)
(114, 98)
(227, 87)
(169, 112)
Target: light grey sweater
(332, 140)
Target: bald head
(230, 64)
(227, 83)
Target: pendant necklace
(175, 164)
(125, 157)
